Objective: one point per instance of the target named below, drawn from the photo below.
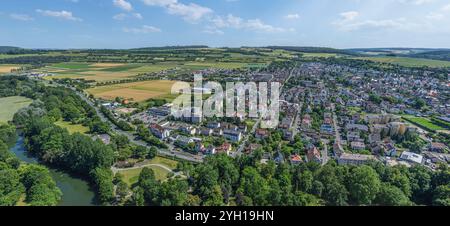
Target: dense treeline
(29, 183)
(222, 180)
(18, 86)
(36, 59)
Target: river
(76, 192)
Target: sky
(122, 24)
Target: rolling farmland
(136, 91)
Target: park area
(72, 128)
(159, 165)
(10, 105)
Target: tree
(363, 185)
(137, 198)
(103, 178)
(441, 195)
(390, 195)
(420, 180)
(304, 199)
(40, 186)
(254, 186)
(419, 103)
(334, 192)
(306, 181)
(149, 185)
(122, 191)
(10, 187)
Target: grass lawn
(424, 123)
(408, 62)
(72, 128)
(135, 91)
(132, 176)
(172, 164)
(10, 105)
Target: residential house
(232, 135)
(354, 159)
(357, 146)
(224, 148)
(159, 131)
(412, 157)
(261, 134)
(313, 155)
(296, 159)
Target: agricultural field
(72, 128)
(136, 91)
(219, 65)
(424, 123)
(10, 105)
(322, 55)
(408, 62)
(103, 72)
(99, 72)
(6, 68)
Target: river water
(76, 192)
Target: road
(336, 126)
(324, 151)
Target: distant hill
(170, 48)
(426, 53)
(7, 49)
(314, 49)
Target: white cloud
(123, 16)
(120, 16)
(160, 2)
(189, 12)
(416, 2)
(292, 16)
(348, 22)
(213, 30)
(123, 5)
(22, 17)
(446, 8)
(348, 16)
(137, 16)
(66, 15)
(435, 16)
(145, 29)
(231, 21)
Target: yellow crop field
(6, 68)
(135, 91)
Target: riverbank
(76, 191)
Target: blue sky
(218, 23)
